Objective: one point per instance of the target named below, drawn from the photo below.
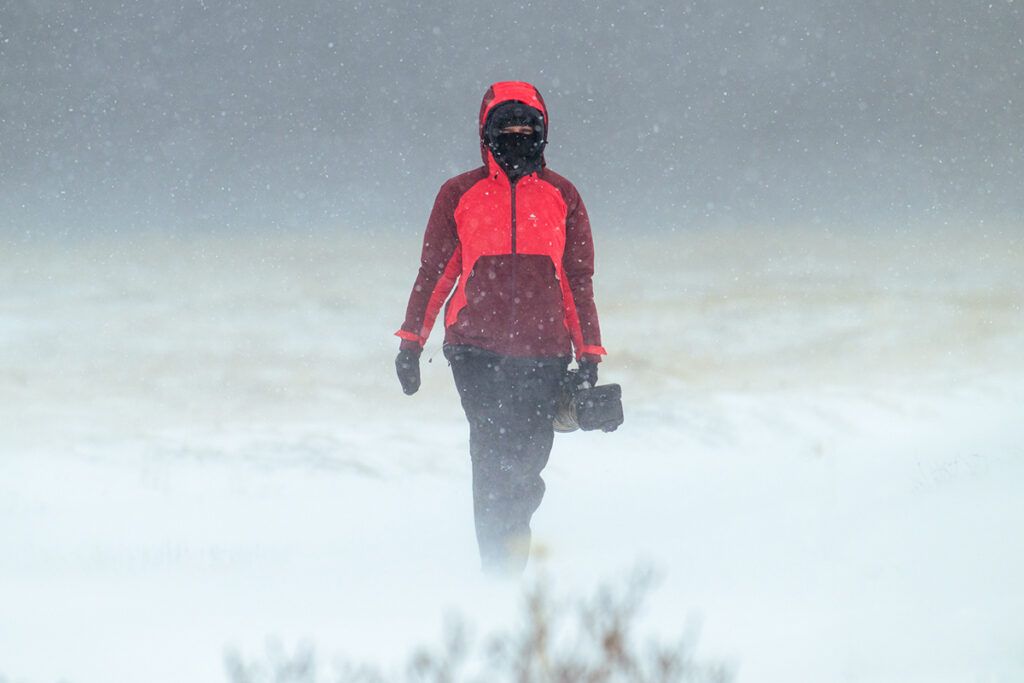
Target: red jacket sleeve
(440, 266)
(578, 263)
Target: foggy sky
(185, 116)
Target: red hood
(505, 91)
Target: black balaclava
(518, 154)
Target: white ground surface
(203, 447)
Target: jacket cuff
(592, 353)
(410, 337)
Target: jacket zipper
(515, 273)
(513, 217)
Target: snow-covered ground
(203, 447)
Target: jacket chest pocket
(540, 225)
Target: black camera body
(588, 408)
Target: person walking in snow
(512, 239)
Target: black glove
(408, 366)
(587, 372)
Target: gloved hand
(587, 372)
(408, 366)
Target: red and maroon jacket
(519, 257)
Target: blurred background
(809, 227)
(201, 115)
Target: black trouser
(509, 403)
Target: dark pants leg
(509, 403)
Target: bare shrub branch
(593, 641)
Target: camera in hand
(588, 408)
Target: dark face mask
(518, 154)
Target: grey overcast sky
(204, 115)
